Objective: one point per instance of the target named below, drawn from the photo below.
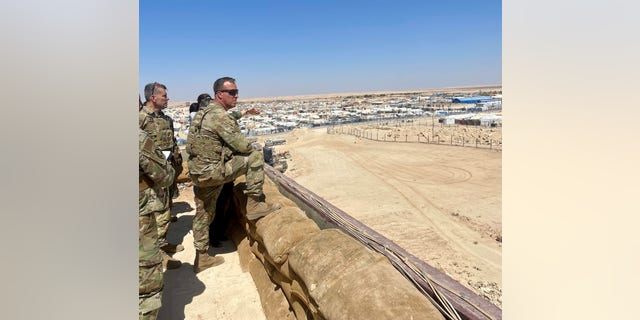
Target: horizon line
(340, 94)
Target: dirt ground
(440, 203)
(224, 292)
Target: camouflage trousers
(163, 218)
(206, 197)
(151, 315)
(149, 268)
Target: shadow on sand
(181, 207)
(184, 285)
(179, 229)
(181, 285)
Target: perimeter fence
(424, 130)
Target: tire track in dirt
(455, 233)
(433, 201)
(432, 175)
(426, 174)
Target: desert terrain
(440, 203)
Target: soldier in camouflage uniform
(159, 126)
(154, 173)
(219, 153)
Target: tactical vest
(203, 143)
(204, 146)
(159, 128)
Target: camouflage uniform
(218, 153)
(154, 173)
(160, 129)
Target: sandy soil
(225, 292)
(441, 203)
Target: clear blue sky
(276, 48)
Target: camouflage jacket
(154, 173)
(160, 129)
(214, 135)
(235, 114)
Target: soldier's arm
(142, 119)
(155, 166)
(236, 114)
(239, 114)
(229, 131)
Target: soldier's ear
(153, 98)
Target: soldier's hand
(253, 111)
(256, 146)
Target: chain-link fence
(424, 130)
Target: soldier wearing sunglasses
(219, 153)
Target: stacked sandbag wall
(321, 274)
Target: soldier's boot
(205, 261)
(258, 207)
(168, 262)
(172, 248)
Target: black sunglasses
(232, 92)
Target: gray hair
(150, 89)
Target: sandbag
(377, 291)
(274, 303)
(325, 257)
(349, 281)
(283, 229)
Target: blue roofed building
(473, 99)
